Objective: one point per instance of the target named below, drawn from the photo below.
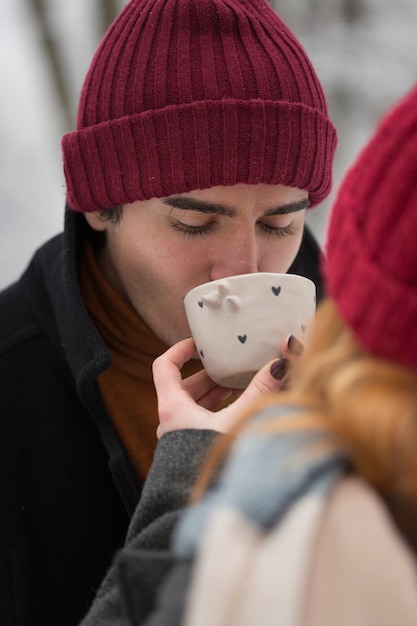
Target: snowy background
(365, 52)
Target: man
(202, 137)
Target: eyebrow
(192, 204)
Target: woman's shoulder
(333, 558)
(362, 571)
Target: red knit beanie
(191, 94)
(371, 268)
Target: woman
(311, 516)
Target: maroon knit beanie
(371, 268)
(191, 94)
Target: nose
(239, 255)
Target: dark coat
(68, 489)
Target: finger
(270, 378)
(215, 398)
(166, 368)
(198, 384)
(292, 346)
(202, 389)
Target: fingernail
(295, 346)
(279, 368)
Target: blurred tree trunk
(106, 12)
(62, 88)
(108, 9)
(353, 10)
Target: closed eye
(278, 231)
(188, 229)
(209, 227)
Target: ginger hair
(367, 405)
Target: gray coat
(129, 592)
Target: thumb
(271, 377)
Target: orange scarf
(126, 387)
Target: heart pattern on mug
(242, 338)
(276, 290)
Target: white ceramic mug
(238, 323)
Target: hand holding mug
(190, 402)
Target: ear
(95, 221)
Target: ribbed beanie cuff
(191, 94)
(196, 146)
(371, 267)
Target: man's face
(163, 247)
